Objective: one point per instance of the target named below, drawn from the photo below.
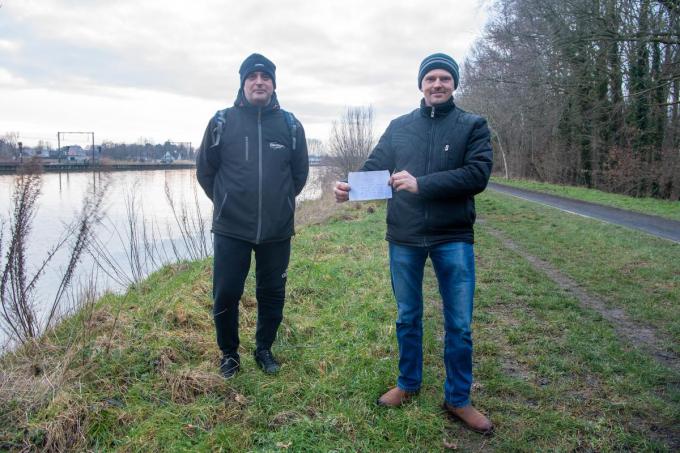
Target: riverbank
(12, 168)
(138, 371)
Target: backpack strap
(220, 119)
(292, 126)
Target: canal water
(109, 263)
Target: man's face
(437, 86)
(258, 88)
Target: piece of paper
(369, 185)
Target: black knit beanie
(438, 61)
(257, 62)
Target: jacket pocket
(446, 157)
(222, 205)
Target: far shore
(57, 167)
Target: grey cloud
(322, 49)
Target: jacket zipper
(259, 180)
(430, 147)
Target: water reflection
(61, 200)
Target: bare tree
(8, 145)
(316, 147)
(583, 91)
(351, 139)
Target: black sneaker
(265, 360)
(229, 365)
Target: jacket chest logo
(276, 146)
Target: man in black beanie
(440, 157)
(252, 163)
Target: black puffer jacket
(253, 175)
(449, 152)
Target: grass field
(651, 206)
(138, 372)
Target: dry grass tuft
(347, 216)
(234, 398)
(166, 358)
(184, 316)
(98, 319)
(31, 378)
(196, 343)
(178, 316)
(66, 431)
(284, 418)
(248, 302)
(179, 267)
(187, 384)
(201, 292)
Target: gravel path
(657, 226)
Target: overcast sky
(160, 69)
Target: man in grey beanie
(440, 157)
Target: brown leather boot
(395, 397)
(470, 417)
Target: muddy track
(647, 338)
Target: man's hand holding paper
(369, 185)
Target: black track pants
(230, 269)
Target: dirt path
(645, 337)
(657, 226)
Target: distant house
(77, 155)
(167, 158)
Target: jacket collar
(437, 111)
(242, 102)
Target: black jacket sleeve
(207, 161)
(382, 156)
(300, 161)
(471, 178)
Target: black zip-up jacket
(449, 152)
(253, 175)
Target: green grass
(651, 206)
(553, 376)
(628, 269)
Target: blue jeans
(454, 265)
